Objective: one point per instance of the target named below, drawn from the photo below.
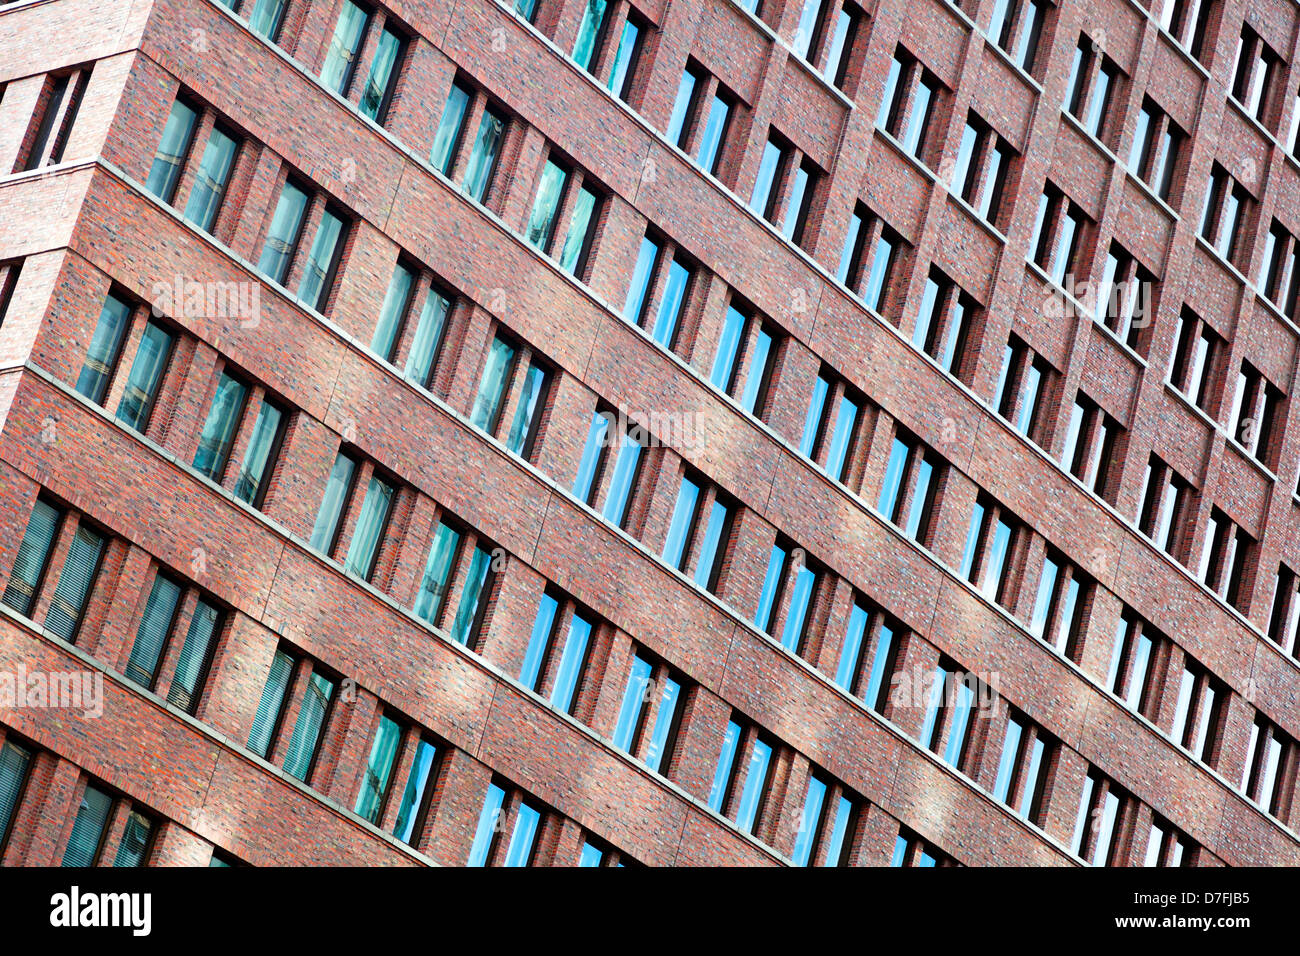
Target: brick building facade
(567, 431)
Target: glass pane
(33, 553)
(268, 708)
(714, 130)
(683, 516)
(370, 527)
(155, 626)
(165, 173)
(849, 249)
(835, 847)
(331, 506)
(314, 288)
(437, 574)
(842, 438)
(876, 692)
(589, 29)
(88, 828)
(382, 74)
(760, 198)
(889, 490)
(1031, 777)
(492, 386)
(724, 360)
(489, 820)
(219, 430)
(806, 834)
(449, 127)
(710, 547)
(803, 36)
(881, 261)
(146, 375)
(620, 486)
(852, 647)
(428, 337)
(578, 238)
(730, 741)
(801, 595)
(413, 796)
(14, 761)
(75, 583)
(623, 59)
(681, 107)
(1007, 762)
(670, 306)
(795, 204)
(664, 720)
(771, 583)
(253, 471)
(539, 641)
(482, 161)
(524, 426)
(266, 16)
(752, 398)
(101, 356)
(813, 421)
(307, 729)
(196, 653)
(476, 580)
(282, 236)
(591, 856)
(634, 701)
(641, 276)
(592, 453)
(755, 786)
(135, 840)
(374, 782)
(210, 181)
(393, 310)
(520, 850)
(541, 223)
(340, 60)
(571, 663)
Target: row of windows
(559, 664)
(100, 813)
(696, 542)
(905, 112)
(317, 267)
(944, 338)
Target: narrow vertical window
(270, 708)
(483, 159)
(341, 58)
(450, 128)
(218, 435)
(76, 581)
(168, 162)
(371, 523)
(282, 237)
(155, 626)
(210, 181)
(338, 489)
(146, 376)
(33, 557)
(377, 95)
(105, 347)
(85, 842)
(300, 759)
(379, 769)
